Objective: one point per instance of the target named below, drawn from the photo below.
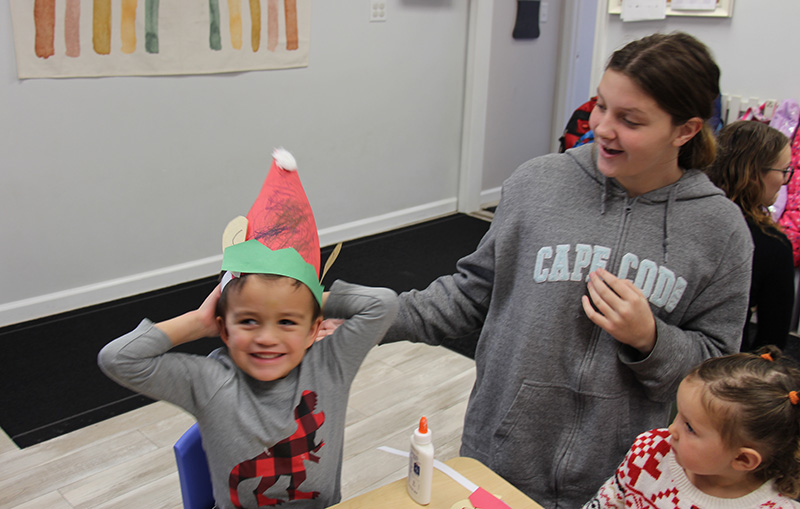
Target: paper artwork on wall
(72, 38)
(694, 5)
(691, 8)
(640, 10)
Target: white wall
(576, 54)
(754, 48)
(510, 96)
(114, 186)
(522, 90)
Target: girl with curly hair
(733, 443)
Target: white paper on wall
(640, 10)
(694, 5)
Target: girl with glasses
(752, 164)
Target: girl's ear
(688, 130)
(223, 331)
(747, 460)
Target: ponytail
(700, 151)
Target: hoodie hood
(693, 185)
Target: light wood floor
(128, 461)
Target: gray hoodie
(558, 401)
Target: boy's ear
(314, 332)
(747, 460)
(223, 331)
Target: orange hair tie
(794, 398)
(768, 357)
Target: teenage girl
(753, 162)
(608, 271)
(733, 444)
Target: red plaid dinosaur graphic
(284, 458)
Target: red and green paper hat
(279, 235)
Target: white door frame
(476, 92)
(583, 29)
(579, 45)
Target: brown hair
(679, 73)
(746, 150)
(235, 285)
(747, 397)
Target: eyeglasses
(787, 173)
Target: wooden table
(445, 493)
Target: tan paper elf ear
(332, 258)
(235, 232)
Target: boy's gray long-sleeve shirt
(245, 423)
(558, 401)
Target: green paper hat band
(253, 257)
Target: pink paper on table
(482, 499)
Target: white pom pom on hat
(284, 159)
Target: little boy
(271, 404)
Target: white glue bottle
(420, 464)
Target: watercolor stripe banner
(74, 38)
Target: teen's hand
(328, 326)
(622, 310)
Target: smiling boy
(268, 324)
(270, 404)
(251, 396)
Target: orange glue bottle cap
(422, 434)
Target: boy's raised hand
(207, 312)
(200, 323)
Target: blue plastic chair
(193, 471)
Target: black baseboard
(51, 385)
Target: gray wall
(114, 186)
(106, 180)
(754, 48)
